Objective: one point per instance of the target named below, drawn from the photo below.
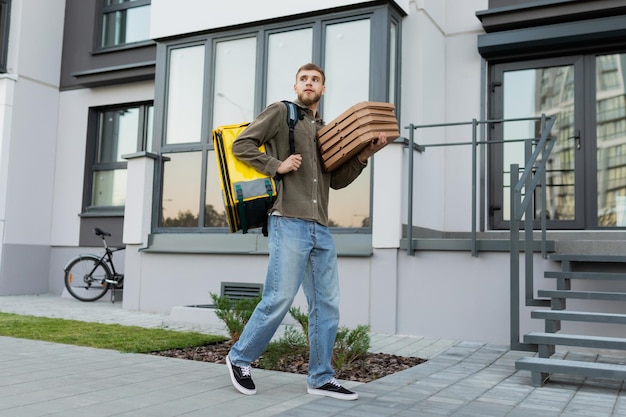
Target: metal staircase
(588, 271)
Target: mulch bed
(370, 368)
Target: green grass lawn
(131, 339)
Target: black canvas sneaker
(333, 389)
(241, 378)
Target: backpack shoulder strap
(293, 115)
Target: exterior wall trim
(551, 37)
(352, 245)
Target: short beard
(308, 101)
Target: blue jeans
(300, 253)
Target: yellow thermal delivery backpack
(248, 194)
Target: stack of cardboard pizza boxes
(354, 129)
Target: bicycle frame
(113, 279)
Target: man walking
(301, 248)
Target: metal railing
(522, 190)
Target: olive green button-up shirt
(303, 193)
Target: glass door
(528, 90)
(586, 172)
(611, 140)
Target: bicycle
(88, 277)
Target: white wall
(170, 18)
(29, 107)
(174, 280)
(423, 102)
(30, 113)
(463, 98)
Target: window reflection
(149, 129)
(184, 97)
(347, 49)
(611, 139)
(393, 40)
(235, 69)
(287, 51)
(118, 134)
(181, 190)
(347, 54)
(530, 93)
(109, 188)
(215, 212)
(124, 23)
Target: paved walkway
(459, 379)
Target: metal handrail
(410, 142)
(521, 208)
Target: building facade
(107, 123)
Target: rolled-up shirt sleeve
(261, 131)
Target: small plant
(303, 319)
(350, 346)
(234, 313)
(292, 345)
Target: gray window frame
(92, 166)
(381, 17)
(104, 10)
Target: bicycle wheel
(85, 278)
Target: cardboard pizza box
(355, 128)
(371, 106)
(361, 134)
(349, 151)
(335, 134)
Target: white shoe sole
(337, 395)
(239, 388)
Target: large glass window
(125, 22)
(286, 51)
(119, 131)
(233, 97)
(229, 77)
(185, 95)
(348, 42)
(181, 183)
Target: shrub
(234, 313)
(285, 351)
(350, 346)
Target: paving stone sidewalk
(459, 379)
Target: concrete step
(541, 368)
(585, 275)
(597, 342)
(583, 295)
(591, 317)
(588, 258)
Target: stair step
(541, 367)
(589, 258)
(599, 342)
(586, 275)
(583, 295)
(591, 317)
